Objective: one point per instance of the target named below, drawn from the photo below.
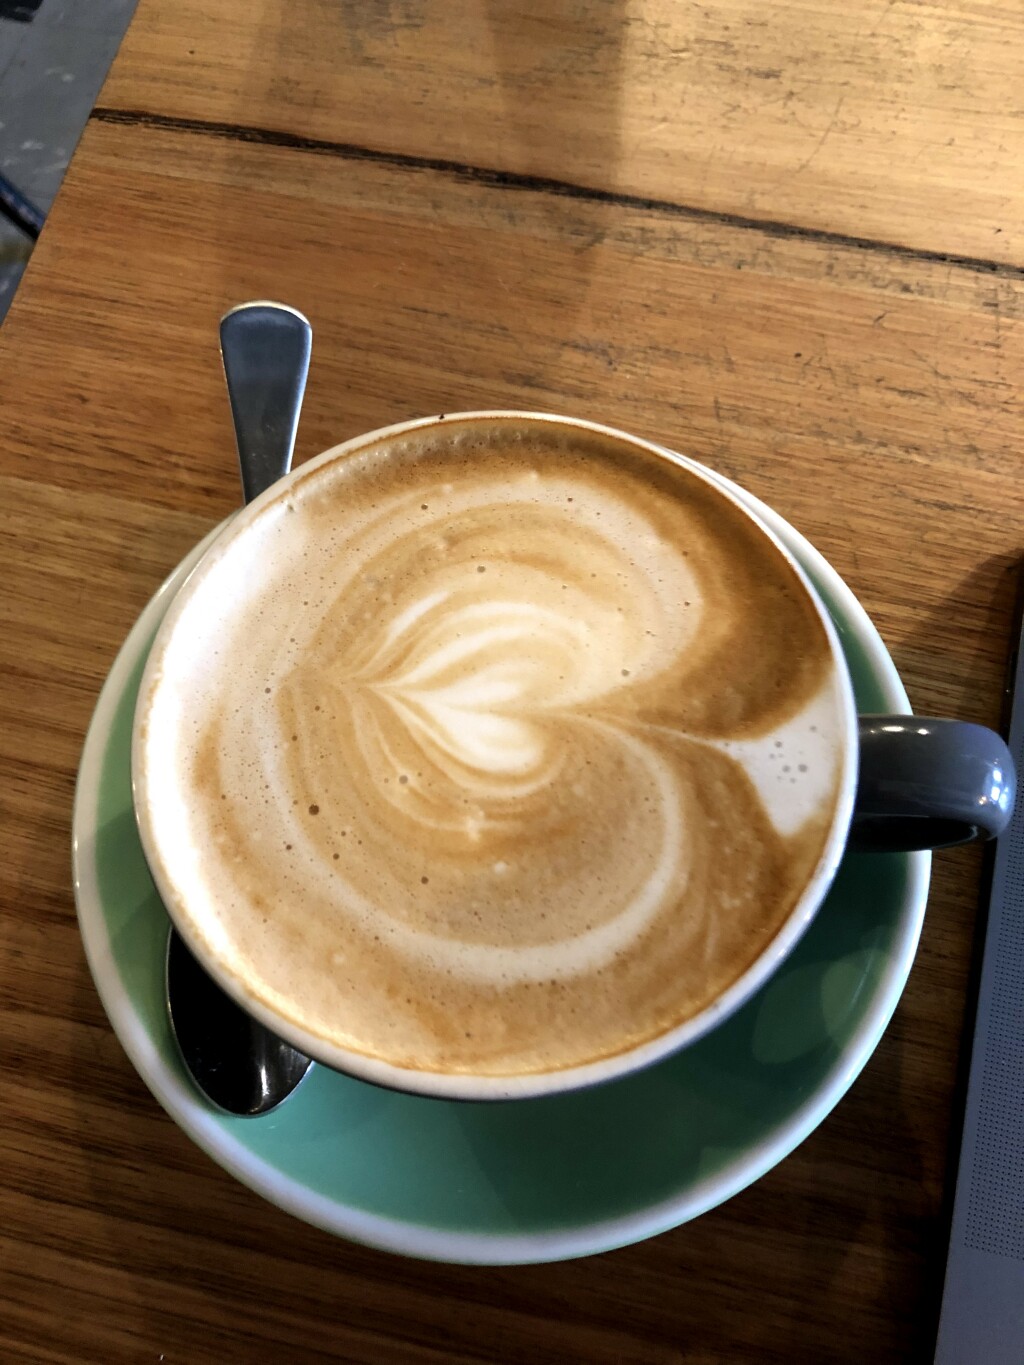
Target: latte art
(487, 674)
(521, 752)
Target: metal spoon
(237, 1063)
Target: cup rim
(531, 1085)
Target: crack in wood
(494, 178)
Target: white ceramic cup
(923, 783)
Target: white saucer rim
(416, 1239)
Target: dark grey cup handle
(928, 783)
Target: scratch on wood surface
(890, 6)
(833, 121)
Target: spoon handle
(265, 348)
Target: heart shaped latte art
(516, 761)
(476, 709)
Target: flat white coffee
(494, 748)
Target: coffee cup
(498, 754)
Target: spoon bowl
(240, 1066)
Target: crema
(492, 748)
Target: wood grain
(872, 397)
(900, 120)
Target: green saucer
(528, 1180)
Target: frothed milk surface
(493, 748)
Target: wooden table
(782, 238)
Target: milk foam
(482, 751)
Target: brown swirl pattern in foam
(473, 773)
